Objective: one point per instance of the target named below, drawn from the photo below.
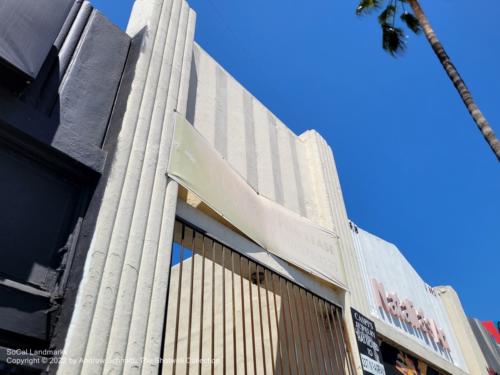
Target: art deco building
(158, 219)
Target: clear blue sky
(414, 169)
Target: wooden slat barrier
(227, 314)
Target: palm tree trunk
(458, 82)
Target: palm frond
(412, 22)
(386, 14)
(393, 40)
(367, 6)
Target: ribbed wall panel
(320, 203)
(278, 164)
(341, 224)
(121, 301)
(78, 334)
(238, 144)
(251, 146)
(276, 159)
(309, 201)
(265, 175)
(330, 204)
(204, 114)
(296, 172)
(289, 168)
(129, 207)
(137, 244)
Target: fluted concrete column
(332, 214)
(119, 312)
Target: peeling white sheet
(197, 166)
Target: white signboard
(399, 297)
(371, 366)
(196, 165)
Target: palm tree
(393, 41)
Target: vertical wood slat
(190, 314)
(235, 356)
(346, 351)
(289, 346)
(328, 337)
(328, 364)
(308, 362)
(282, 328)
(243, 319)
(224, 312)
(282, 350)
(202, 300)
(329, 321)
(316, 362)
(252, 319)
(299, 347)
(212, 351)
(177, 315)
(266, 286)
(257, 282)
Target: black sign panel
(28, 28)
(369, 350)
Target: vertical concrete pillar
(332, 214)
(119, 312)
(472, 353)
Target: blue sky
(414, 169)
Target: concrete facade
(384, 264)
(119, 313)
(120, 304)
(297, 172)
(488, 345)
(470, 348)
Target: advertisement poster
(369, 350)
(397, 362)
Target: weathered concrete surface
(473, 355)
(121, 301)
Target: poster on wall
(397, 362)
(369, 350)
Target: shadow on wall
(52, 155)
(226, 313)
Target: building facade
(56, 100)
(488, 338)
(185, 228)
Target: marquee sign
(406, 311)
(399, 298)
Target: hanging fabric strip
(197, 166)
